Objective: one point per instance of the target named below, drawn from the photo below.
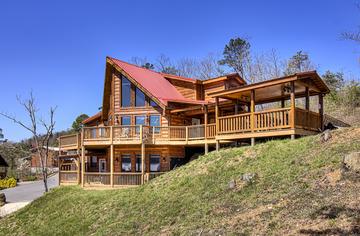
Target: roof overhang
(273, 90)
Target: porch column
(112, 165)
(307, 98)
(292, 108)
(321, 111)
(142, 163)
(82, 159)
(205, 129)
(252, 117)
(82, 165)
(217, 124)
(111, 158)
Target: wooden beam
(321, 110)
(252, 110)
(112, 165)
(307, 99)
(142, 163)
(292, 105)
(217, 115)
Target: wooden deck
(274, 122)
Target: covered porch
(291, 105)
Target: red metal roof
(154, 82)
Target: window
(155, 121)
(153, 104)
(126, 163)
(139, 120)
(139, 98)
(138, 163)
(125, 120)
(154, 163)
(125, 92)
(93, 161)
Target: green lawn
(290, 194)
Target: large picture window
(125, 92)
(154, 163)
(139, 98)
(126, 163)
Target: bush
(7, 183)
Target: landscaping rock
(232, 184)
(325, 136)
(2, 199)
(248, 177)
(352, 161)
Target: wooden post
(252, 110)
(217, 128)
(112, 165)
(205, 129)
(321, 111)
(292, 105)
(282, 103)
(217, 145)
(142, 162)
(307, 98)
(292, 108)
(82, 165)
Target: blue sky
(58, 48)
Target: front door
(102, 165)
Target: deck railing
(269, 120)
(129, 178)
(272, 119)
(97, 178)
(69, 141)
(68, 176)
(307, 119)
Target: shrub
(7, 183)
(30, 178)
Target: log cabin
(152, 122)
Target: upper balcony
(268, 123)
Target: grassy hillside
(299, 188)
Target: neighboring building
(3, 167)
(51, 164)
(152, 122)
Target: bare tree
(209, 67)
(188, 67)
(41, 141)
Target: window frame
(155, 156)
(125, 156)
(137, 90)
(157, 129)
(123, 80)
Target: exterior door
(102, 165)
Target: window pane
(125, 120)
(125, 163)
(139, 98)
(154, 163)
(155, 121)
(139, 120)
(138, 163)
(125, 92)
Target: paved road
(25, 193)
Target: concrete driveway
(25, 193)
